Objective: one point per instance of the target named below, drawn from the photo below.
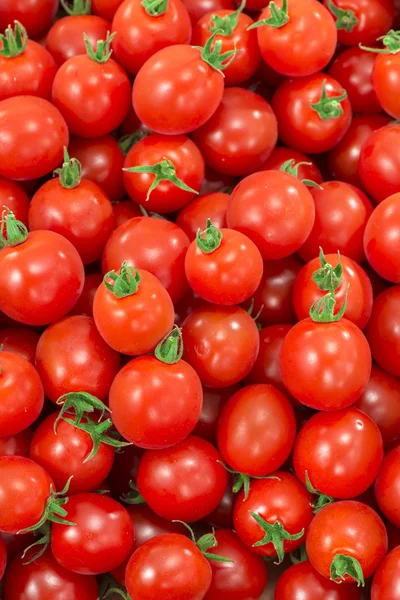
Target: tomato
(36, 16)
(16, 445)
(13, 197)
(379, 165)
(125, 210)
(84, 306)
(361, 21)
(346, 529)
(141, 33)
(152, 570)
(105, 8)
(45, 579)
(300, 41)
(325, 366)
(72, 357)
(221, 343)
(101, 161)
(137, 321)
(313, 113)
(382, 228)
(301, 580)
(387, 486)
(208, 206)
(383, 330)
(275, 210)
(386, 581)
(20, 341)
(240, 135)
(343, 159)
(169, 481)
(101, 539)
(43, 130)
(284, 506)
(156, 245)
(341, 215)
(65, 38)
(213, 403)
(245, 577)
(198, 8)
(385, 78)
(306, 170)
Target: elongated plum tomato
(382, 228)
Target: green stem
(209, 239)
(391, 41)
(103, 48)
(79, 7)
(170, 349)
(13, 41)
(163, 171)
(204, 543)
(53, 511)
(226, 25)
(345, 18)
(155, 8)
(81, 403)
(241, 480)
(290, 166)
(299, 555)
(321, 499)
(279, 17)
(133, 496)
(275, 534)
(98, 432)
(70, 173)
(257, 316)
(126, 142)
(211, 54)
(124, 284)
(343, 565)
(12, 231)
(329, 108)
(328, 279)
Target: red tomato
(313, 113)
(386, 582)
(240, 135)
(383, 330)
(361, 21)
(169, 481)
(194, 216)
(256, 430)
(198, 8)
(221, 343)
(65, 38)
(347, 528)
(36, 16)
(382, 228)
(43, 130)
(13, 197)
(72, 357)
(267, 366)
(379, 165)
(213, 403)
(84, 306)
(387, 487)
(306, 170)
(20, 341)
(385, 78)
(125, 210)
(275, 210)
(16, 445)
(105, 8)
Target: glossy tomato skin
(169, 480)
(140, 35)
(198, 8)
(72, 357)
(20, 340)
(382, 228)
(42, 278)
(386, 582)
(105, 8)
(341, 452)
(379, 165)
(281, 154)
(13, 196)
(383, 330)
(101, 539)
(16, 445)
(125, 210)
(387, 487)
(206, 206)
(156, 245)
(355, 289)
(374, 18)
(300, 126)
(282, 499)
(45, 579)
(346, 527)
(335, 357)
(221, 343)
(151, 571)
(240, 135)
(43, 130)
(267, 366)
(172, 75)
(213, 402)
(341, 215)
(84, 306)
(386, 80)
(65, 38)
(275, 210)
(35, 16)
(135, 324)
(256, 430)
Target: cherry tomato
(84, 306)
(16, 445)
(386, 581)
(199, 8)
(194, 216)
(387, 486)
(385, 78)
(379, 165)
(36, 16)
(361, 21)
(382, 228)
(105, 8)
(13, 197)
(65, 38)
(383, 330)
(213, 403)
(125, 210)
(20, 341)
(306, 170)
(169, 480)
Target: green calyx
(12, 231)
(98, 432)
(345, 18)
(328, 279)
(391, 41)
(124, 284)
(53, 511)
(290, 166)
(103, 48)
(211, 54)
(209, 239)
(299, 555)
(329, 108)
(170, 349)
(133, 496)
(275, 534)
(256, 317)
(13, 41)
(126, 142)
(321, 500)
(279, 17)
(151, 214)
(204, 543)
(241, 480)
(343, 565)
(155, 8)
(70, 173)
(78, 8)
(117, 591)
(81, 403)
(163, 171)
(226, 25)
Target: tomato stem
(126, 142)
(12, 231)
(123, 594)
(211, 54)
(345, 18)
(241, 480)
(321, 500)
(299, 555)
(275, 534)
(226, 25)
(163, 171)
(328, 279)
(13, 41)
(256, 317)
(204, 543)
(151, 214)
(81, 403)
(343, 565)
(98, 432)
(279, 17)
(103, 48)
(155, 8)
(209, 239)
(170, 349)
(290, 166)
(133, 496)
(329, 108)
(126, 283)
(70, 172)
(391, 40)
(79, 7)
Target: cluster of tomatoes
(199, 300)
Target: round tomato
(383, 330)
(379, 164)
(16, 445)
(36, 16)
(124, 471)
(306, 168)
(382, 228)
(198, 8)
(386, 582)
(361, 21)
(13, 197)
(387, 487)
(216, 182)
(20, 341)
(105, 8)
(194, 216)
(84, 306)
(385, 78)
(65, 38)
(125, 210)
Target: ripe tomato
(379, 165)
(387, 486)
(125, 210)
(361, 21)
(213, 403)
(142, 32)
(313, 113)
(386, 581)
(198, 8)
(382, 228)
(194, 216)
(65, 38)
(16, 445)
(105, 8)
(36, 16)
(341, 533)
(383, 330)
(275, 210)
(169, 481)
(221, 343)
(240, 135)
(385, 78)
(13, 197)
(20, 341)
(84, 306)
(72, 357)
(43, 130)
(307, 169)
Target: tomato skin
(16, 445)
(267, 366)
(348, 527)
(84, 306)
(189, 166)
(125, 210)
(13, 196)
(213, 403)
(168, 480)
(383, 332)
(379, 165)
(257, 416)
(72, 357)
(20, 341)
(24, 117)
(156, 245)
(387, 487)
(335, 357)
(281, 154)
(275, 210)
(105, 8)
(386, 582)
(386, 80)
(172, 75)
(382, 228)
(36, 16)
(194, 216)
(65, 38)
(375, 18)
(221, 343)
(341, 215)
(135, 324)
(356, 289)
(198, 8)
(283, 499)
(151, 571)
(240, 135)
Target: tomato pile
(199, 299)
